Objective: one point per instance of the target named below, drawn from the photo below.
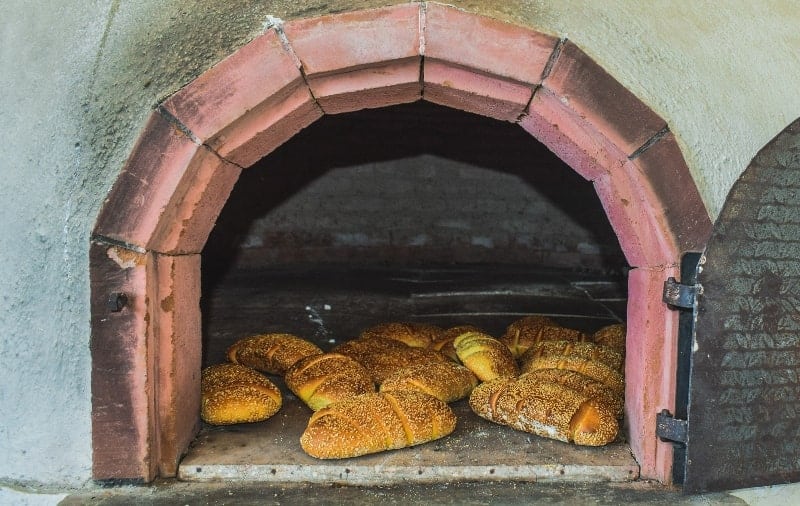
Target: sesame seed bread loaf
(375, 422)
(382, 356)
(612, 335)
(595, 370)
(546, 409)
(271, 353)
(589, 387)
(319, 380)
(525, 332)
(447, 381)
(444, 343)
(416, 335)
(233, 393)
(586, 350)
(485, 356)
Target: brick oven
(175, 237)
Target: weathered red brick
(578, 143)
(147, 183)
(481, 65)
(188, 218)
(595, 95)
(663, 167)
(174, 324)
(650, 368)
(486, 45)
(123, 421)
(464, 89)
(360, 59)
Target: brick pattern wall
(411, 184)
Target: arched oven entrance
(146, 253)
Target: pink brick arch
(149, 236)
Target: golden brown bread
(376, 422)
(612, 335)
(444, 343)
(525, 332)
(382, 357)
(319, 380)
(447, 381)
(595, 370)
(233, 393)
(369, 345)
(589, 387)
(485, 356)
(517, 336)
(586, 350)
(546, 409)
(271, 353)
(416, 335)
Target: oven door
(744, 385)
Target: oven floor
(332, 305)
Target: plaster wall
(79, 78)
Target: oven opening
(409, 213)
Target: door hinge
(679, 295)
(670, 429)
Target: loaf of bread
(444, 343)
(233, 393)
(612, 335)
(375, 422)
(593, 389)
(546, 409)
(527, 331)
(586, 350)
(416, 335)
(271, 353)
(485, 356)
(521, 333)
(319, 380)
(382, 357)
(447, 381)
(612, 378)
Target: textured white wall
(723, 75)
(79, 77)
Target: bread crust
(271, 353)
(527, 331)
(319, 380)
(414, 334)
(546, 409)
(375, 422)
(233, 393)
(444, 343)
(447, 381)
(612, 335)
(485, 356)
(586, 350)
(595, 370)
(382, 356)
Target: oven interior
(414, 212)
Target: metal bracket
(670, 429)
(679, 295)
